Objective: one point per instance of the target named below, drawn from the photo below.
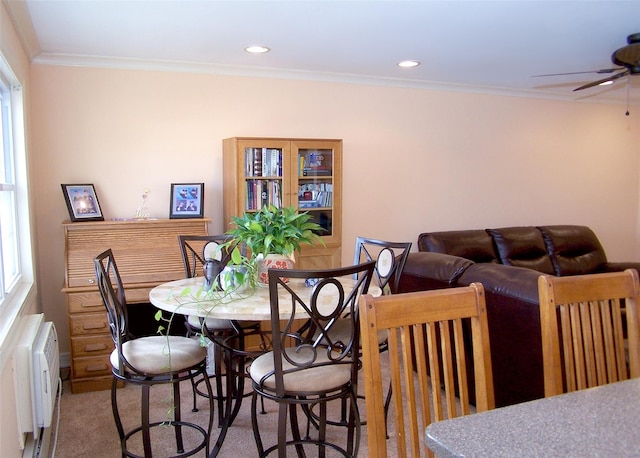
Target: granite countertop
(602, 421)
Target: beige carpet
(86, 426)
(87, 430)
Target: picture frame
(82, 202)
(187, 200)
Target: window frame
(19, 297)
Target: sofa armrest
(516, 282)
(426, 270)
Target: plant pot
(272, 261)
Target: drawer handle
(94, 326)
(96, 367)
(91, 281)
(95, 347)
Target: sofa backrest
(475, 245)
(574, 250)
(522, 247)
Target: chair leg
(217, 360)
(322, 429)
(177, 416)
(254, 423)
(387, 403)
(353, 435)
(195, 394)
(295, 430)
(144, 415)
(282, 430)
(116, 415)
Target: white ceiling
(481, 46)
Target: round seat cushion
(313, 379)
(156, 355)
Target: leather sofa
(508, 262)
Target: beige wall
(15, 56)
(414, 160)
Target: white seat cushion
(322, 378)
(161, 354)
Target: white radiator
(37, 374)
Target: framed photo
(82, 202)
(187, 200)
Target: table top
(601, 421)
(179, 296)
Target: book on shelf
(310, 171)
(263, 162)
(263, 192)
(308, 204)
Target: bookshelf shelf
(305, 173)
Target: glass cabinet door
(315, 176)
(263, 177)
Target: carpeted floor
(86, 426)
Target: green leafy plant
(273, 230)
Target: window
(16, 265)
(10, 266)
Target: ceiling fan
(627, 58)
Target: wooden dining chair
(390, 258)
(427, 357)
(589, 330)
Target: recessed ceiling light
(408, 63)
(257, 49)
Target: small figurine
(143, 212)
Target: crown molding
(265, 72)
(21, 20)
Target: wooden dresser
(147, 254)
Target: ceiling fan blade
(603, 70)
(596, 83)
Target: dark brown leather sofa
(508, 262)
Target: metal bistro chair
(585, 320)
(196, 250)
(426, 362)
(307, 366)
(390, 258)
(149, 361)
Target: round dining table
(188, 297)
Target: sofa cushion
(574, 250)
(522, 247)
(475, 245)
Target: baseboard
(65, 360)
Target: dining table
(187, 297)
(596, 422)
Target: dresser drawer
(83, 324)
(91, 366)
(87, 301)
(91, 346)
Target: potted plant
(273, 235)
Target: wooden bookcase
(305, 173)
(147, 254)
